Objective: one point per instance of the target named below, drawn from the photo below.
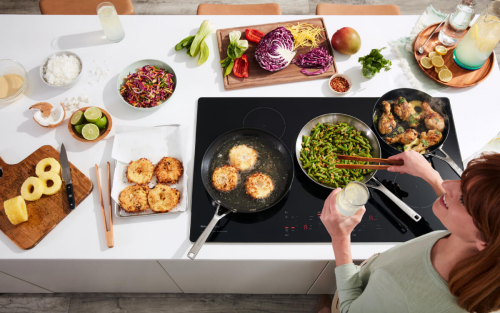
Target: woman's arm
(417, 165)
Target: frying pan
(435, 104)
(274, 160)
(335, 118)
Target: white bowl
(132, 68)
(349, 80)
(12, 67)
(44, 65)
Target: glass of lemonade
(110, 22)
(352, 198)
(477, 45)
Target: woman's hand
(417, 165)
(338, 225)
(340, 228)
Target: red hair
(475, 281)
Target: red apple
(346, 41)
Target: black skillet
(274, 160)
(410, 95)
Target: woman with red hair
(457, 270)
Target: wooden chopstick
(109, 233)
(374, 160)
(362, 166)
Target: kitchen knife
(66, 176)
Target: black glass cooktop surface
(296, 218)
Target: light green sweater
(399, 280)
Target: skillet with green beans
(319, 153)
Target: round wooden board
(461, 78)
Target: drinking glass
(110, 22)
(478, 44)
(352, 197)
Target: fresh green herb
(401, 100)
(235, 50)
(437, 132)
(373, 63)
(437, 120)
(375, 119)
(196, 44)
(425, 143)
(412, 120)
(401, 130)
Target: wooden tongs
(367, 166)
(108, 231)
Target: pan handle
(403, 206)
(450, 162)
(204, 236)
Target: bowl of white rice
(61, 69)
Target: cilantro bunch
(373, 63)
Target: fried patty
(134, 198)
(243, 157)
(162, 198)
(169, 170)
(259, 186)
(225, 178)
(140, 171)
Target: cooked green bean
(319, 153)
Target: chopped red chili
(339, 84)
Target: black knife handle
(71, 196)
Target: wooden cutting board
(461, 78)
(261, 77)
(45, 213)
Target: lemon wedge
(445, 75)
(490, 18)
(474, 31)
(426, 62)
(439, 69)
(437, 61)
(432, 54)
(441, 50)
(487, 46)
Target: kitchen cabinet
(244, 276)
(326, 283)
(10, 284)
(92, 275)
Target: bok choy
(196, 44)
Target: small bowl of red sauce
(340, 84)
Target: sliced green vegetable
(186, 42)
(196, 44)
(204, 52)
(206, 29)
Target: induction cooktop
(296, 218)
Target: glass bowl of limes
(90, 124)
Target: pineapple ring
(42, 165)
(38, 188)
(51, 176)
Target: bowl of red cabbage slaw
(146, 84)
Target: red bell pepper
(240, 68)
(253, 35)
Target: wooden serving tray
(45, 213)
(259, 76)
(461, 78)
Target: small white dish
(349, 80)
(43, 67)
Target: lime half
(90, 132)
(92, 114)
(79, 128)
(77, 118)
(102, 122)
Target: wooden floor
(156, 303)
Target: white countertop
(80, 235)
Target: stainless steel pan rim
(372, 137)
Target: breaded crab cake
(259, 186)
(243, 157)
(134, 198)
(140, 171)
(225, 178)
(162, 198)
(169, 170)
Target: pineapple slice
(32, 183)
(15, 209)
(43, 164)
(45, 177)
